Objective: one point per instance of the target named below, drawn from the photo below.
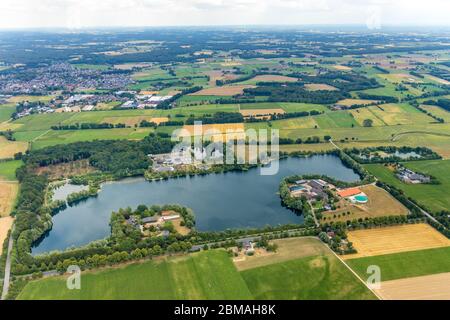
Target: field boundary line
(357, 276)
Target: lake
(219, 201)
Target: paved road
(7, 268)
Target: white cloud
(92, 13)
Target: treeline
(443, 103)
(294, 92)
(32, 218)
(119, 157)
(344, 81)
(281, 116)
(413, 206)
(218, 117)
(380, 69)
(380, 98)
(416, 105)
(101, 253)
(87, 126)
(371, 154)
(8, 134)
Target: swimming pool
(361, 198)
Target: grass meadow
(405, 264)
(212, 275)
(433, 197)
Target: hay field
(222, 91)
(395, 114)
(362, 114)
(387, 240)
(319, 86)
(261, 112)
(400, 77)
(214, 131)
(342, 68)
(436, 79)
(437, 111)
(380, 204)
(288, 249)
(430, 287)
(351, 102)
(8, 194)
(131, 121)
(9, 148)
(272, 78)
(5, 224)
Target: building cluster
(410, 176)
(155, 223)
(143, 101)
(311, 189)
(63, 76)
(177, 159)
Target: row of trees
(393, 154)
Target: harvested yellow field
(400, 77)
(342, 68)
(214, 131)
(380, 204)
(362, 114)
(231, 64)
(393, 114)
(351, 102)
(159, 120)
(146, 92)
(261, 112)
(8, 194)
(319, 86)
(5, 225)
(8, 125)
(315, 147)
(288, 249)
(222, 91)
(430, 287)
(273, 78)
(9, 148)
(17, 99)
(387, 240)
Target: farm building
(171, 217)
(410, 176)
(150, 219)
(355, 195)
(344, 193)
(311, 189)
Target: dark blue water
(219, 201)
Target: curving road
(7, 267)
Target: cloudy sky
(95, 13)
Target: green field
(52, 138)
(210, 275)
(405, 264)
(434, 197)
(8, 169)
(207, 275)
(6, 110)
(318, 277)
